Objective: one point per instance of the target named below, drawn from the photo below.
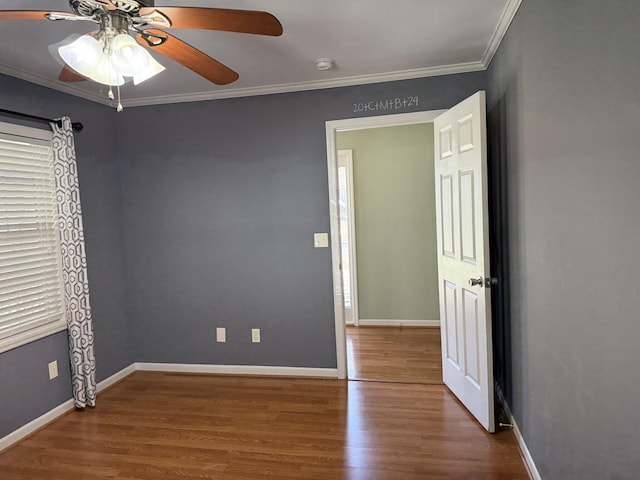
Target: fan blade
(33, 15)
(68, 75)
(226, 20)
(190, 57)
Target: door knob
(486, 282)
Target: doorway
(344, 295)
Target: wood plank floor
(394, 354)
(158, 426)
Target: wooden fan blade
(30, 14)
(190, 57)
(68, 75)
(226, 20)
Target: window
(31, 288)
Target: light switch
(320, 240)
(221, 335)
(255, 335)
(53, 370)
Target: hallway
(394, 354)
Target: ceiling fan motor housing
(87, 8)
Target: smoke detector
(324, 63)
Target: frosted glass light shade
(127, 57)
(82, 54)
(153, 68)
(86, 57)
(105, 73)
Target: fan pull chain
(119, 107)
(110, 94)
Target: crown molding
(249, 91)
(508, 14)
(305, 86)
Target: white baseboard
(32, 426)
(238, 369)
(385, 322)
(116, 377)
(532, 470)
(58, 411)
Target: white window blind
(31, 288)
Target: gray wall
(25, 389)
(564, 109)
(222, 199)
(203, 220)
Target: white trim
(347, 155)
(24, 131)
(116, 377)
(331, 129)
(58, 411)
(530, 465)
(386, 322)
(35, 424)
(29, 336)
(311, 85)
(250, 91)
(237, 369)
(394, 120)
(508, 14)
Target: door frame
(353, 268)
(332, 127)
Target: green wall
(395, 221)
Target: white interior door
(463, 256)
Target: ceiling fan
(110, 55)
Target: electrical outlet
(255, 335)
(221, 335)
(53, 370)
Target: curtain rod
(77, 126)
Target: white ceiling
(370, 40)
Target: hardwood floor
(157, 426)
(394, 354)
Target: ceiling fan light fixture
(127, 57)
(86, 56)
(110, 56)
(82, 54)
(105, 73)
(153, 68)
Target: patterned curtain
(74, 267)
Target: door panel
(448, 245)
(449, 324)
(463, 254)
(470, 322)
(467, 217)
